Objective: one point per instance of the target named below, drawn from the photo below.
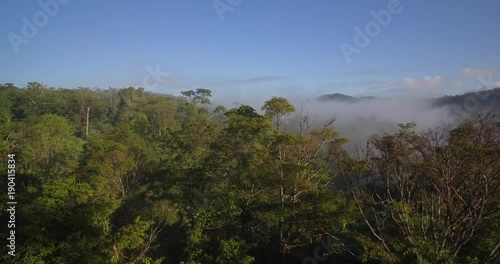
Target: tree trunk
(87, 122)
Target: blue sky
(258, 48)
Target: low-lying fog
(358, 120)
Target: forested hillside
(482, 100)
(130, 176)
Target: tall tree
(200, 96)
(277, 108)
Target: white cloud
(426, 83)
(469, 72)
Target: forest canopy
(130, 176)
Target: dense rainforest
(130, 176)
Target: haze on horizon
(172, 131)
(254, 49)
(248, 51)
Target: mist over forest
(250, 132)
(156, 176)
(359, 117)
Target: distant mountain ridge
(343, 98)
(484, 99)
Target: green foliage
(162, 179)
(49, 146)
(200, 96)
(426, 195)
(277, 108)
(233, 251)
